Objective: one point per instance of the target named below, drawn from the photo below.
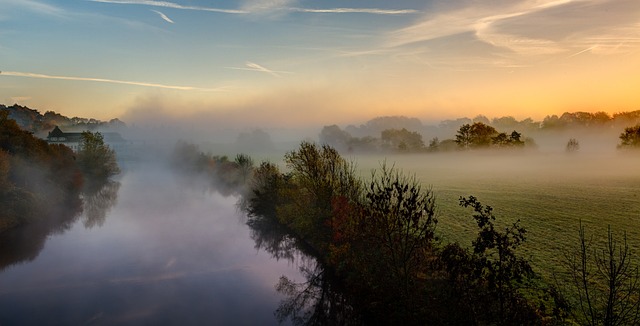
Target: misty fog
(166, 251)
(154, 245)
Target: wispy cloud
(172, 5)
(112, 81)
(18, 99)
(375, 11)
(37, 6)
(266, 6)
(251, 66)
(516, 31)
(163, 16)
(262, 6)
(475, 19)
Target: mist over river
(159, 251)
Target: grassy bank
(549, 193)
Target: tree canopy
(402, 139)
(630, 138)
(95, 158)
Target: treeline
(403, 134)
(225, 175)
(36, 122)
(37, 178)
(380, 260)
(378, 237)
(468, 136)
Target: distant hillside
(33, 121)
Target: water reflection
(168, 253)
(316, 301)
(24, 244)
(97, 200)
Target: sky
(283, 63)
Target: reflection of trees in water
(273, 238)
(97, 200)
(24, 243)
(315, 301)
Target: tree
(36, 178)
(607, 281)
(336, 137)
(318, 175)
(402, 139)
(504, 140)
(95, 158)
(477, 135)
(245, 166)
(481, 119)
(464, 137)
(630, 138)
(399, 222)
(434, 144)
(486, 279)
(572, 146)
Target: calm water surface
(153, 251)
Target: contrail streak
(251, 66)
(112, 81)
(173, 5)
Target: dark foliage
(606, 281)
(486, 279)
(378, 243)
(630, 138)
(95, 158)
(34, 175)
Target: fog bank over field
(508, 166)
(217, 137)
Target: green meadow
(550, 193)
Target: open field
(549, 193)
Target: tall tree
(95, 158)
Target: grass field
(549, 193)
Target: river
(152, 249)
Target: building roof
(109, 137)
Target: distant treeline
(227, 176)
(404, 134)
(38, 123)
(37, 178)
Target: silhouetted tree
(504, 140)
(630, 138)
(572, 146)
(398, 222)
(607, 282)
(477, 135)
(486, 280)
